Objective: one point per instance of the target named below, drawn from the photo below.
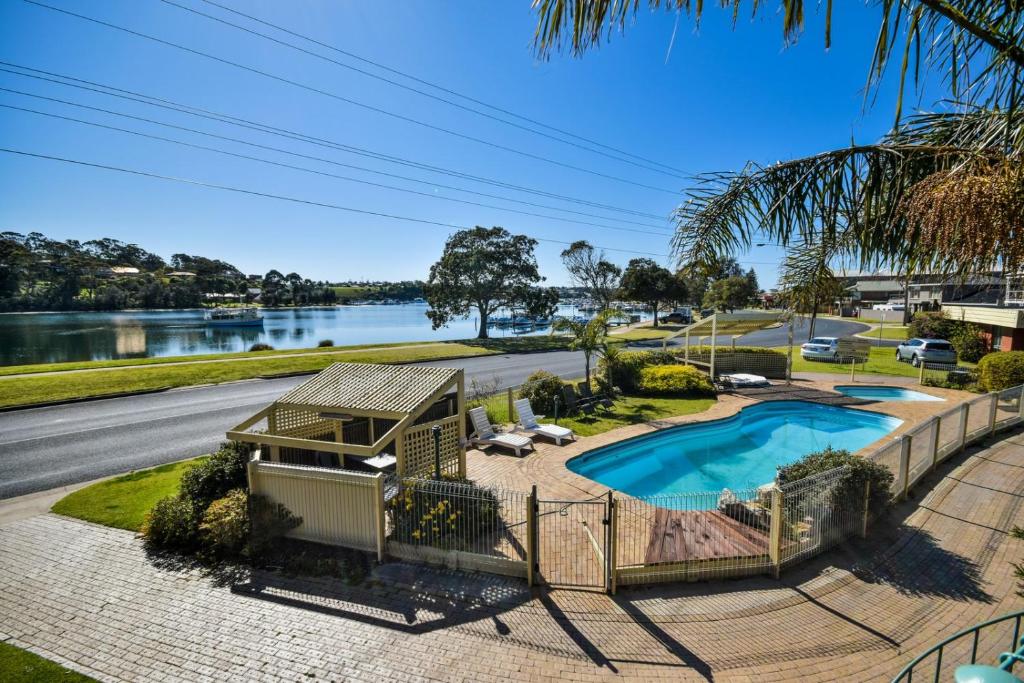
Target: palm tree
(917, 199)
(588, 337)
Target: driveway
(90, 598)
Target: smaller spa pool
(876, 393)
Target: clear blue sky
(720, 98)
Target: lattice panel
(302, 424)
(419, 448)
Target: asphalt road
(44, 448)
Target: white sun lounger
(528, 423)
(484, 434)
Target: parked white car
(820, 348)
(926, 350)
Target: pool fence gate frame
(603, 542)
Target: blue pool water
(739, 452)
(871, 393)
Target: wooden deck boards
(687, 535)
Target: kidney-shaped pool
(738, 452)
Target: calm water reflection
(56, 337)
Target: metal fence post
(609, 532)
(993, 412)
(867, 502)
(378, 485)
(905, 442)
(531, 537)
(511, 413)
(775, 538)
(965, 412)
(613, 548)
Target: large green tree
(919, 198)
(729, 293)
(644, 280)
(481, 268)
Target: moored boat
(234, 317)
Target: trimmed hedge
(674, 380)
(848, 496)
(1001, 370)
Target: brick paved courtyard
(89, 597)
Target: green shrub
(541, 388)
(211, 479)
(1001, 370)
(624, 368)
(674, 380)
(172, 524)
(268, 522)
(969, 342)
(225, 526)
(930, 325)
(444, 515)
(323, 343)
(260, 346)
(848, 495)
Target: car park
(918, 351)
(820, 348)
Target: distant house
(117, 271)
(999, 312)
(929, 293)
(866, 293)
(181, 274)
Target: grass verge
(47, 387)
(894, 332)
(123, 502)
(628, 410)
(21, 666)
(881, 361)
(500, 345)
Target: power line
(295, 200)
(162, 103)
(423, 93)
(348, 100)
(284, 165)
(434, 85)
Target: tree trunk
(814, 318)
(586, 367)
(654, 307)
(482, 333)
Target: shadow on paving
(622, 629)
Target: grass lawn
(46, 386)
(21, 666)
(123, 502)
(628, 410)
(881, 361)
(897, 332)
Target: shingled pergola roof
(367, 388)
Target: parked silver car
(820, 348)
(926, 350)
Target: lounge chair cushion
(742, 379)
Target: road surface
(43, 448)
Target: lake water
(57, 337)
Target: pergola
(733, 325)
(361, 415)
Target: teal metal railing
(931, 661)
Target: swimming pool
(738, 452)
(876, 393)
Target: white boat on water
(234, 317)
